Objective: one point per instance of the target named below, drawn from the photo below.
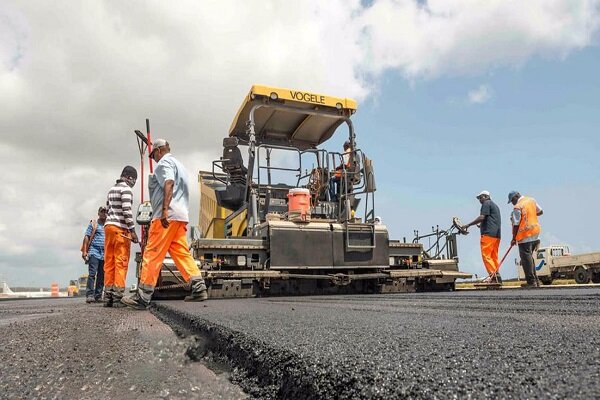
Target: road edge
(262, 371)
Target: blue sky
(455, 96)
(538, 133)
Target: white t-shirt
(169, 169)
(346, 156)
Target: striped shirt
(119, 200)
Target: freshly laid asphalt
(541, 343)
(478, 344)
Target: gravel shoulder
(66, 349)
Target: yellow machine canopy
(288, 117)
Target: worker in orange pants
(489, 253)
(119, 232)
(160, 241)
(489, 223)
(169, 196)
(116, 249)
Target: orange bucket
(299, 204)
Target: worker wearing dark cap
(489, 223)
(169, 196)
(526, 231)
(92, 251)
(119, 231)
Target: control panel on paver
(144, 213)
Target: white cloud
(14, 33)
(437, 37)
(480, 95)
(76, 78)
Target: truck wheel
(596, 277)
(582, 275)
(546, 280)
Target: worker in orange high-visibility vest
(169, 196)
(335, 181)
(526, 231)
(489, 222)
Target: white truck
(554, 262)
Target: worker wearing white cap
(169, 196)
(489, 225)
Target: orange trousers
(489, 253)
(116, 259)
(160, 240)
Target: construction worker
(489, 225)
(526, 231)
(334, 183)
(92, 251)
(169, 195)
(119, 231)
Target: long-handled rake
(494, 278)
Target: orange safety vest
(529, 225)
(338, 170)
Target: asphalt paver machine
(292, 218)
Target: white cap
(158, 143)
(483, 192)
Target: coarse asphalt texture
(542, 343)
(476, 344)
(67, 349)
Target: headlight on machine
(241, 260)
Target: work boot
(528, 285)
(118, 302)
(199, 292)
(134, 301)
(197, 297)
(498, 279)
(109, 301)
(89, 299)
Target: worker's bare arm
(515, 229)
(86, 245)
(476, 221)
(168, 196)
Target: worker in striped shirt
(119, 232)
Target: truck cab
(543, 261)
(552, 262)
(73, 288)
(83, 283)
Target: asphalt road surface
(477, 344)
